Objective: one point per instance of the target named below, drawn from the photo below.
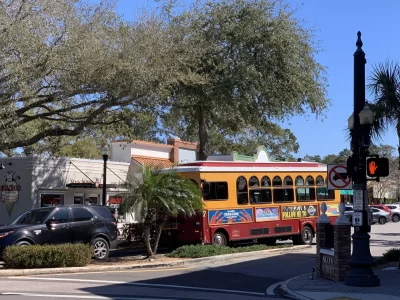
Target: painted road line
(153, 285)
(79, 296)
(271, 288)
(119, 271)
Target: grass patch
(196, 251)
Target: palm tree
(385, 85)
(157, 196)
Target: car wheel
(100, 248)
(305, 238)
(395, 218)
(382, 220)
(23, 244)
(220, 239)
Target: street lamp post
(360, 123)
(105, 158)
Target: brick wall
(342, 244)
(179, 144)
(333, 264)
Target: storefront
(33, 182)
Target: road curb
(178, 263)
(287, 292)
(194, 261)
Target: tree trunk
(202, 133)
(147, 228)
(157, 237)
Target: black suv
(92, 224)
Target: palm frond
(385, 86)
(162, 192)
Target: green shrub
(379, 260)
(196, 251)
(392, 255)
(47, 256)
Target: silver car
(379, 216)
(395, 208)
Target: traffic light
(377, 167)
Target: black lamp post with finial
(360, 123)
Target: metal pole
(105, 158)
(361, 260)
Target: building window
(51, 200)
(115, 201)
(78, 199)
(215, 191)
(93, 199)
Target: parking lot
(384, 237)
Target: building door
(78, 199)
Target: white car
(395, 209)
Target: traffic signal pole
(361, 260)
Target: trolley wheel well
(310, 226)
(222, 230)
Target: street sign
(338, 179)
(358, 199)
(357, 218)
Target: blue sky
(336, 23)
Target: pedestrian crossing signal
(377, 167)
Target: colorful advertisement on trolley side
(332, 210)
(230, 216)
(267, 214)
(299, 211)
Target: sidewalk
(303, 288)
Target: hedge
(196, 251)
(47, 256)
(392, 255)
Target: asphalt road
(248, 278)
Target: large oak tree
(66, 66)
(257, 67)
